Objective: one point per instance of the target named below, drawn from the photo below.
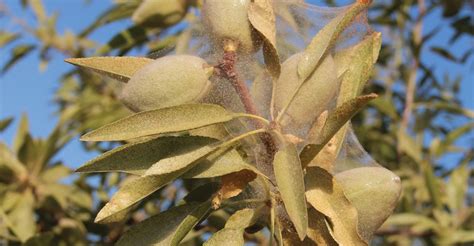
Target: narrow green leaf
(164, 120)
(233, 232)
(180, 162)
(137, 157)
(166, 228)
(21, 133)
(5, 123)
(8, 159)
(219, 164)
(327, 196)
(131, 193)
(17, 53)
(22, 218)
(335, 121)
(119, 68)
(262, 18)
(115, 13)
(326, 38)
(7, 37)
(290, 181)
(55, 173)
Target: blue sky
(24, 89)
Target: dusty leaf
(326, 39)
(232, 185)
(180, 162)
(133, 192)
(233, 232)
(137, 157)
(220, 164)
(327, 196)
(290, 181)
(164, 120)
(119, 68)
(335, 121)
(262, 18)
(166, 228)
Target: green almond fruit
(228, 20)
(159, 13)
(167, 81)
(374, 192)
(313, 97)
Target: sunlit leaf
(233, 232)
(219, 165)
(7, 37)
(232, 185)
(326, 38)
(17, 53)
(172, 225)
(55, 173)
(290, 181)
(335, 121)
(131, 193)
(119, 68)
(137, 157)
(262, 18)
(326, 195)
(22, 217)
(181, 162)
(164, 120)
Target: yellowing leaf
(326, 38)
(137, 157)
(164, 120)
(327, 196)
(119, 68)
(166, 228)
(290, 181)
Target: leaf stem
(267, 122)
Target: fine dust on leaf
(137, 157)
(119, 68)
(335, 121)
(290, 181)
(173, 226)
(164, 120)
(133, 192)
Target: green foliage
(174, 150)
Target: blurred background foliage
(419, 127)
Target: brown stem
(226, 69)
